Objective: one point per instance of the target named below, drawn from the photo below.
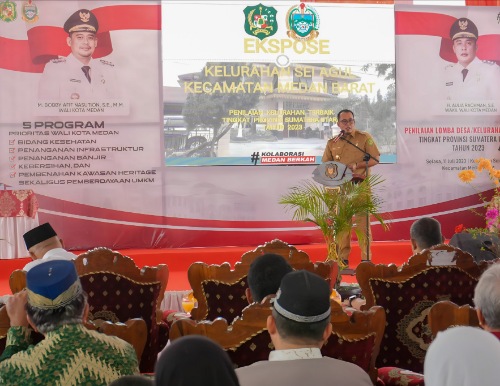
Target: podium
(332, 174)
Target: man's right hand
(16, 309)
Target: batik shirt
(71, 355)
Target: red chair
(118, 290)
(133, 331)
(407, 294)
(4, 327)
(446, 314)
(220, 291)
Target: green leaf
(332, 209)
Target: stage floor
(179, 259)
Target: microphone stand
(367, 156)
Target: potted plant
(491, 214)
(332, 209)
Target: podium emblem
(332, 174)
(331, 171)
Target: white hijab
(463, 356)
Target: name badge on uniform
(449, 83)
(75, 80)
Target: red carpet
(179, 259)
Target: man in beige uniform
(344, 152)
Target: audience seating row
(118, 290)
(405, 306)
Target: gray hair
(48, 320)
(487, 296)
(426, 232)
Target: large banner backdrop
(110, 168)
(74, 141)
(447, 119)
(262, 83)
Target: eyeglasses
(346, 121)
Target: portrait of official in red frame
(470, 78)
(79, 75)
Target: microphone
(340, 135)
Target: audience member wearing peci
(55, 305)
(298, 327)
(44, 244)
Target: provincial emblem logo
(8, 11)
(302, 22)
(30, 12)
(260, 21)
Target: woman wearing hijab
(194, 361)
(463, 356)
(132, 380)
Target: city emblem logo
(302, 22)
(30, 12)
(260, 21)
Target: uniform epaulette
(489, 62)
(58, 60)
(106, 63)
(448, 66)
